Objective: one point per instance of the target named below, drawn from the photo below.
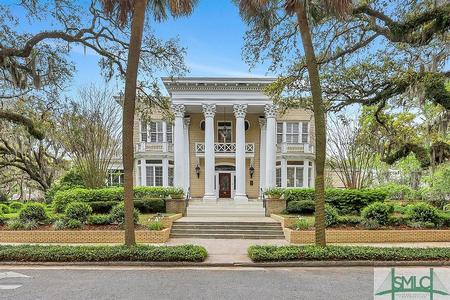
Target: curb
(291, 264)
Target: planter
(177, 206)
(81, 236)
(177, 196)
(275, 206)
(369, 236)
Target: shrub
(347, 201)
(47, 253)
(78, 211)
(301, 207)
(33, 212)
(14, 224)
(102, 207)
(73, 223)
(155, 225)
(117, 214)
(285, 253)
(175, 192)
(424, 212)
(150, 205)
(99, 220)
(301, 224)
(4, 209)
(419, 225)
(59, 224)
(349, 220)
(112, 194)
(331, 216)
(30, 225)
(71, 179)
(395, 191)
(370, 224)
(398, 220)
(15, 206)
(274, 192)
(446, 208)
(378, 212)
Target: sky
(213, 36)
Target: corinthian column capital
(209, 110)
(270, 110)
(240, 110)
(178, 110)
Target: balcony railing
(287, 148)
(153, 147)
(224, 148)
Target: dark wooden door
(224, 185)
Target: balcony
(286, 148)
(225, 149)
(143, 147)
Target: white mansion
(227, 141)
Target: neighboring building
(227, 141)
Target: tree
(121, 11)
(37, 63)
(260, 12)
(91, 127)
(349, 154)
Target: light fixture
(251, 170)
(197, 171)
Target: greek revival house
(227, 141)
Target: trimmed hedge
(38, 253)
(301, 207)
(113, 194)
(289, 253)
(146, 206)
(347, 201)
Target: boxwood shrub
(112, 194)
(425, 213)
(301, 207)
(286, 253)
(33, 212)
(48, 253)
(347, 201)
(117, 214)
(377, 212)
(79, 211)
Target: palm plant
(123, 10)
(252, 10)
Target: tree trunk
(129, 103)
(319, 122)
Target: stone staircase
(226, 230)
(225, 208)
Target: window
(170, 175)
(295, 174)
(143, 131)
(140, 179)
(115, 177)
(169, 134)
(154, 173)
(156, 132)
(292, 133)
(279, 133)
(309, 174)
(224, 132)
(305, 132)
(278, 177)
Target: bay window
(295, 174)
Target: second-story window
(279, 133)
(292, 133)
(305, 132)
(156, 132)
(169, 135)
(143, 131)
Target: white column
(283, 172)
(271, 147)
(262, 156)
(305, 172)
(165, 166)
(143, 173)
(178, 145)
(239, 112)
(209, 111)
(187, 122)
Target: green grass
(315, 253)
(146, 219)
(36, 253)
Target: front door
(224, 185)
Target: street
(185, 283)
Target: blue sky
(213, 36)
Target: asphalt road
(220, 283)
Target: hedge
(113, 194)
(38, 253)
(347, 201)
(144, 206)
(289, 253)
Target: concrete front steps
(227, 230)
(225, 208)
